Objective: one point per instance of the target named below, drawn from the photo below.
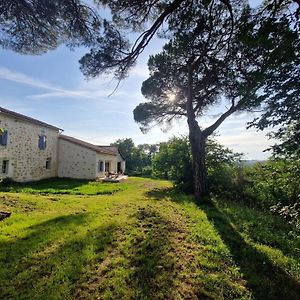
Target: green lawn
(142, 241)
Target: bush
(290, 213)
(273, 182)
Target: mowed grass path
(143, 241)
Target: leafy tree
(173, 161)
(126, 148)
(280, 84)
(36, 26)
(289, 136)
(137, 157)
(116, 55)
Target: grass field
(142, 240)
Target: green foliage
(272, 185)
(289, 136)
(138, 158)
(277, 39)
(290, 213)
(174, 162)
(6, 182)
(273, 182)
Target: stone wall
(76, 161)
(26, 161)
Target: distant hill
(250, 162)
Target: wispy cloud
(54, 91)
(14, 76)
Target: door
(119, 167)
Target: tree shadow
(38, 266)
(152, 256)
(273, 230)
(264, 278)
(57, 185)
(171, 193)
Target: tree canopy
(35, 27)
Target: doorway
(119, 170)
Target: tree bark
(197, 140)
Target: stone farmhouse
(32, 150)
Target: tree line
(270, 185)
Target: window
(42, 142)
(3, 138)
(100, 166)
(5, 164)
(48, 163)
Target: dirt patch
(13, 203)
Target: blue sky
(51, 88)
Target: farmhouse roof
(99, 149)
(112, 148)
(26, 118)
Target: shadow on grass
(265, 279)
(67, 186)
(46, 264)
(169, 193)
(153, 261)
(60, 185)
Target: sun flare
(171, 97)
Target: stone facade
(25, 160)
(22, 158)
(75, 161)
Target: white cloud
(90, 92)
(10, 75)
(140, 71)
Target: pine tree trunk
(197, 141)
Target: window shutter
(42, 143)
(4, 136)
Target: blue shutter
(42, 143)
(4, 136)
